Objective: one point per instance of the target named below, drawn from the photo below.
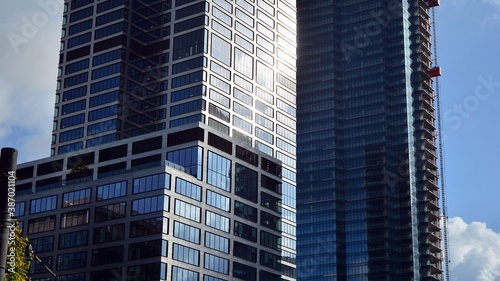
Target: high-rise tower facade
(129, 67)
(368, 196)
(173, 147)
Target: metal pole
(8, 166)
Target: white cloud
(474, 251)
(28, 80)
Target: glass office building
(368, 196)
(182, 205)
(192, 75)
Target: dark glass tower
(368, 196)
(166, 112)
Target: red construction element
(433, 3)
(435, 71)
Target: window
(71, 260)
(107, 255)
(102, 127)
(41, 224)
(75, 218)
(218, 201)
(263, 121)
(242, 124)
(243, 110)
(108, 5)
(147, 249)
(245, 252)
(107, 57)
(42, 244)
(190, 10)
(81, 14)
(246, 183)
(73, 107)
(75, 93)
(189, 158)
(245, 211)
(109, 233)
(196, 105)
(153, 182)
(20, 209)
(219, 171)
(245, 31)
(216, 242)
(216, 264)
(245, 231)
(190, 23)
(265, 76)
(244, 272)
(152, 271)
(217, 221)
(186, 232)
(148, 227)
(72, 121)
(221, 70)
(186, 254)
(188, 189)
(43, 204)
(188, 79)
(189, 44)
(37, 267)
(71, 135)
(110, 29)
(102, 140)
(71, 277)
(270, 240)
(179, 273)
(79, 40)
(105, 98)
(76, 198)
(221, 29)
(270, 221)
(219, 98)
(106, 84)
(112, 190)
(112, 16)
(112, 110)
(243, 63)
(188, 65)
(221, 50)
(270, 260)
(224, 4)
(187, 120)
(110, 212)
(211, 278)
(150, 205)
(77, 66)
(270, 202)
(187, 210)
(264, 275)
(220, 84)
(73, 239)
(218, 112)
(107, 70)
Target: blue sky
(468, 52)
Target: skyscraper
(173, 147)
(367, 176)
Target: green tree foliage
(20, 270)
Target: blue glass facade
(365, 146)
(131, 68)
